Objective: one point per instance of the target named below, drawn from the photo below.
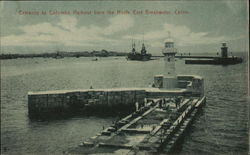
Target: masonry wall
(84, 102)
(105, 101)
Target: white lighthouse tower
(168, 80)
(169, 51)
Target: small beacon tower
(224, 50)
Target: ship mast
(143, 50)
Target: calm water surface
(221, 128)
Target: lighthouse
(224, 50)
(169, 51)
(168, 80)
(169, 58)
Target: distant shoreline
(62, 54)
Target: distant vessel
(143, 56)
(223, 60)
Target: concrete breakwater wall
(87, 102)
(113, 101)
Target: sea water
(221, 127)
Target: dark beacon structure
(223, 60)
(143, 56)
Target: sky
(195, 26)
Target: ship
(143, 56)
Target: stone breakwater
(111, 102)
(87, 101)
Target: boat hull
(139, 57)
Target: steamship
(134, 55)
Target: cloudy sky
(202, 26)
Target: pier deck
(155, 127)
